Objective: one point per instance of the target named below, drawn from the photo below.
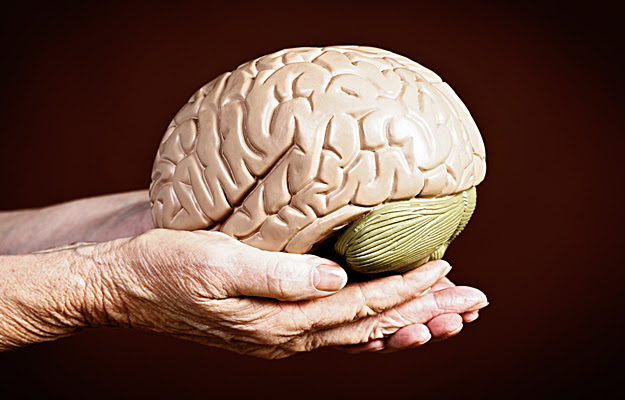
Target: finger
(445, 283)
(454, 300)
(470, 316)
(247, 271)
(445, 326)
(362, 299)
(409, 336)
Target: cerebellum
(403, 235)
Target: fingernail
(420, 342)
(478, 306)
(446, 271)
(455, 331)
(473, 318)
(329, 278)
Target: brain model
(354, 143)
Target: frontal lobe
(291, 147)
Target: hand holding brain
(350, 146)
(293, 147)
(210, 288)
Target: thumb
(282, 276)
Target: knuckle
(303, 321)
(274, 281)
(308, 343)
(441, 302)
(280, 281)
(376, 328)
(364, 309)
(376, 333)
(393, 319)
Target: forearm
(94, 219)
(39, 298)
(54, 293)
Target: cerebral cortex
(293, 146)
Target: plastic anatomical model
(354, 143)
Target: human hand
(210, 288)
(441, 327)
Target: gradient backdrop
(87, 92)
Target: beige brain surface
(291, 147)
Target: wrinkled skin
(203, 286)
(210, 288)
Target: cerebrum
(293, 146)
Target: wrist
(51, 294)
(109, 274)
(35, 299)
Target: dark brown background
(87, 93)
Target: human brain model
(354, 143)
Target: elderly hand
(208, 287)
(440, 327)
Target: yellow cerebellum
(403, 235)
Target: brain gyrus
(293, 146)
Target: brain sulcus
(294, 146)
